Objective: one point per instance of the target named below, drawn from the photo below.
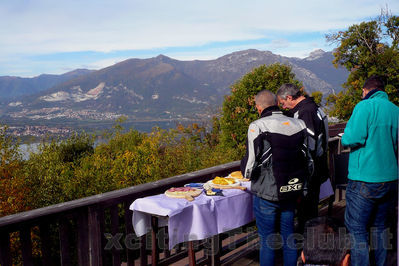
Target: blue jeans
(367, 206)
(267, 213)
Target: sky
(54, 37)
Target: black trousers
(308, 206)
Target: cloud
(51, 27)
(59, 26)
(279, 43)
(103, 63)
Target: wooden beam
(116, 254)
(64, 233)
(5, 257)
(95, 246)
(83, 237)
(26, 243)
(130, 253)
(191, 253)
(143, 251)
(46, 244)
(154, 241)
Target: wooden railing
(81, 226)
(98, 230)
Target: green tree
(317, 96)
(51, 170)
(239, 107)
(12, 187)
(69, 169)
(366, 49)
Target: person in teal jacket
(372, 135)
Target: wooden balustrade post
(130, 254)
(5, 258)
(64, 234)
(154, 241)
(95, 237)
(26, 243)
(116, 254)
(191, 253)
(143, 251)
(45, 243)
(83, 237)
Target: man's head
(372, 83)
(326, 242)
(289, 95)
(264, 99)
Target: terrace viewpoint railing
(98, 230)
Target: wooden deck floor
(338, 212)
(253, 258)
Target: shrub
(238, 108)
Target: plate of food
(225, 183)
(187, 193)
(238, 176)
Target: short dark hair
(374, 82)
(289, 89)
(265, 98)
(325, 241)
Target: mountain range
(153, 88)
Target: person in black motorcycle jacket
(278, 164)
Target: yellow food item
(209, 192)
(223, 181)
(236, 174)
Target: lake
(145, 126)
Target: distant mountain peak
(162, 57)
(158, 87)
(249, 54)
(246, 52)
(315, 54)
(79, 70)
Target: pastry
(224, 181)
(238, 175)
(183, 192)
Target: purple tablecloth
(199, 219)
(326, 190)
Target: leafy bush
(49, 171)
(12, 185)
(238, 108)
(64, 170)
(75, 148)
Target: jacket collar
(370, 93)
(270, 110)
(304, 102)
(376, 94)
